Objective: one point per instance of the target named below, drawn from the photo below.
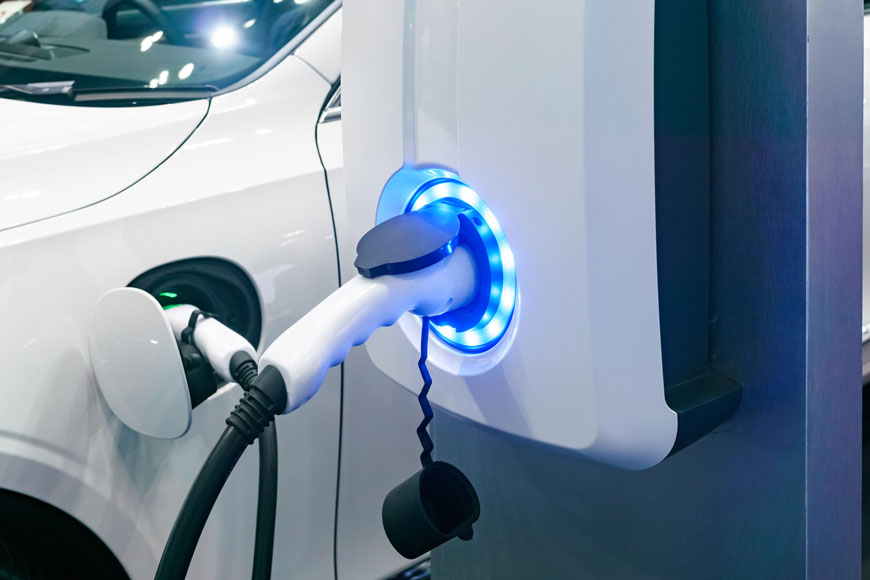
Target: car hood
(55, 159)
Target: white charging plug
(322, 338)
(214, 340)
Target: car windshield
(171, 49)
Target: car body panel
(379, 445)
(247, 187)
(323, 50)
(55, 159)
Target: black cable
(267, 504)
(244, 370)
(244, 425)
(422, 398)
(197, 505)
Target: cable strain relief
(243, 369)
(271, 383)
(258, 407)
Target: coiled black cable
(423, 398)
(246, 423)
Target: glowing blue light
(411, 189)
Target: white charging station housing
(551, 121)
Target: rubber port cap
(408, 242)
(436, 504)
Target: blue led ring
(420, 188)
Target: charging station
(564, 174)
(611, 250)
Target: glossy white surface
(55, 159)
(251, 182)
(216, 342)
(322, 50)
(567, 168)
(137, 365)
(349, 316)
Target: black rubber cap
(434, 505)
(408, 242)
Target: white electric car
(188, 148)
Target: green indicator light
(168, 306)
(169, 294)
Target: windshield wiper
(41, 89)
(158, 93)
(68, 90)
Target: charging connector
(322, 338)
(412, 263)
(217, 342)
